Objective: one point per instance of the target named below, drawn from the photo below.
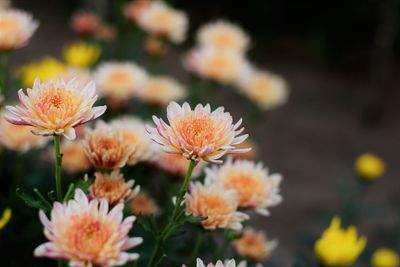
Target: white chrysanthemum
(254, 186)
(223, 66)
(119, 81)
(86, 233)
(228, 263)
(161, 90)
(16, 28)
(265, 89)
(223, 35)
(159, 19)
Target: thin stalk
(170, 227)
(225, 243)
(3, 72)
(196, 249)
(58, 155)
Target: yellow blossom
(5, 218)
(370, 166)
(81, 54)
(45, 69)
(385, 257)
(339, 247)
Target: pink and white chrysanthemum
(198, 134)
(255, 187)
(215, 203)
(87, 233)
(228, 263)
(16, 28)
(55, 107)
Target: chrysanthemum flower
(223, 66)
(134, 8)
(215, 203)
(254, 186)
(254, 245)
(265, 89)
(161, 90)
(143, 204)
(86, 233)
(134, 135)
(223, 35)
(155, 46)
(119, 81)
(385, 257)
(19, 138)
(81, 54)
(370, 166)
(45, 69)
(106, 32)
(159, 19)
(105, 147)
(5, 218)
(16, 28)
(85, 22)
(113, 187)
(175, 164)
(55, 107)
(198, 134)
(83, 76)
(228, 263)
(339, 247)
(251, 154)
(74, 158)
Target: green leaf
(84, 185)
(195, 219)
(145, 224)
(31, 201)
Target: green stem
(196, 249)
(3, 72)
(169, 229)
(225, 243)
(58, 155)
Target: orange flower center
(7, 24)
(120, 77)
(245, 185)
(215, 204)
(224, 40)
(88, 236)
(198, 131)
(57, 104)
(106, 143)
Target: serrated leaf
(31, 201)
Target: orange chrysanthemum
(86, 233)
(55, 107)
(19, 138)
(85, 22)
(74, 158)
(105, 147)
(254, 245)
(143, 204)
(16, 28)
(198, 134)
(113, 187)
(134, 134)
(254, 186)
(216, 204)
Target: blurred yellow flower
(339, 247)
(81, 54)
(5, 218)
(370, 166)
(385, 257)
(45, 69)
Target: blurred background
(340, 60)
